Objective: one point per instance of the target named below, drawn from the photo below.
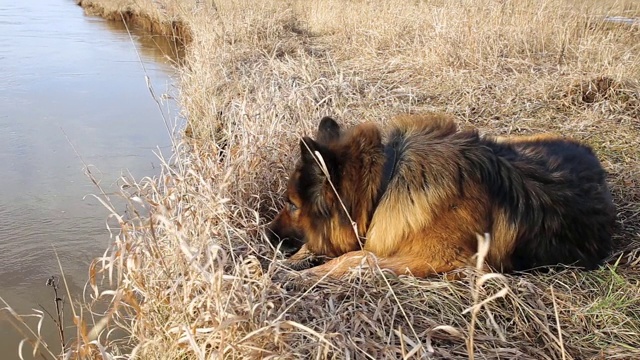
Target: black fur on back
(555, 192)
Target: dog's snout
(274, 238)
(287, 244)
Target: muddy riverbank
(150, 20)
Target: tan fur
(527, 138)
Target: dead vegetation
(188, 281)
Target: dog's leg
(339, 266)
(302, 259)
(416, 264)
(335, 268)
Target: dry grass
(188, 280)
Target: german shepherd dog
(416, 204)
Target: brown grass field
(187, 282)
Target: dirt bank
(149, 18)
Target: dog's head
(311, 203)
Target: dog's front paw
(295, 280)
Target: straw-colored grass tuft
(192, 272)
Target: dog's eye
(292, 206)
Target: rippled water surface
(68, 81)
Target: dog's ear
(328, 131)
(313, 178)
(308, 149)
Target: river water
(72, 89)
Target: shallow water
(68, 81)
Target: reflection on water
(68, 79)
(158, 48)
(622, 20)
